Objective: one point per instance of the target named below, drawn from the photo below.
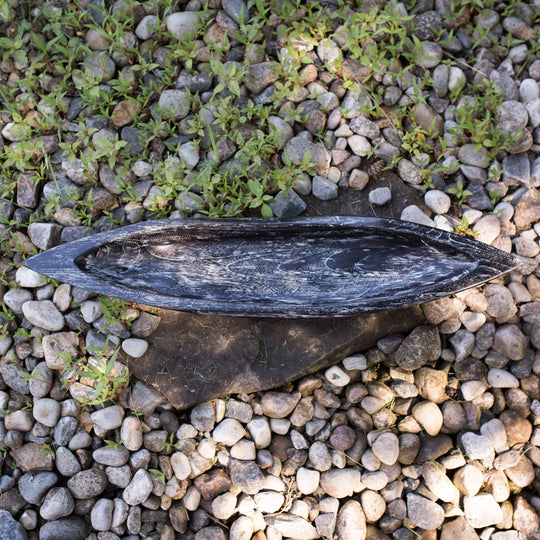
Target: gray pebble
(66, 463)
(298, 147)
(15, 298)
(146, 27)
(182, 24)
(19, 420)
(514, 112)
(283, 130)
(380, 196)
(65, 429)
(57, 503)
(469, 154)
(505, 84)
(175, 103)
(144, 399)
(87, 484)
(409, 172)
(28, 278)
(10, 527)
(287, 204)
(365, 127)
(324, 189)
(43, 314)
(131, 433)
(70, 528)
(424, 513)
(482, 510)
(259, 76)
(111, 456)
(15, 377)
(102, 514)
(46, 411)
(41, 381)
(78, 440)
(109, 417)
(533, 108)
(139, 489)
(415, 215)
(100, 65)
(529, 90)
(246, 475)
(34, 486)
(119, 476)
(517, 170)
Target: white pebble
(307, 480)
(356, 361)
(437, 201)
(336, 376)
(135, 347)
(499, 378)
(228, 432)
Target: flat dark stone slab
(304, 267)
(195, 358)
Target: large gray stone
(182, 24)
(10, 528)
(299, 149)
(70, 528)
(250, 354)
(287, 204)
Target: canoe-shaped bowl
(303, 267)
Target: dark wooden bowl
(304, 267)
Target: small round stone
(57, 503)
(424, 513)
(260, 432)
(182, 23)
(429, 416)
(307, 480)
(28, 278)
(102, 514)
(319, 456)
(386, 448)
(380, 196)
(343, 438)
(139, 488)
(500, 378)
(373, 505)
(131, 433)
(269, 501)
(482, 510)
(33, 486)
(135, 347)
(340, 483)
(228, 432)
(43, 314)
(180, 465)
(46, 411)
(87, 484)
(109, 417)
(41, 381)
(351, 521)
(279, 404)
(476, 446)
(437, 201)
(336, 376)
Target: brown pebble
(343, 438)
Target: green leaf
(234, 87)
(255, 187)
(266, 211)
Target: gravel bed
(434, 434)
